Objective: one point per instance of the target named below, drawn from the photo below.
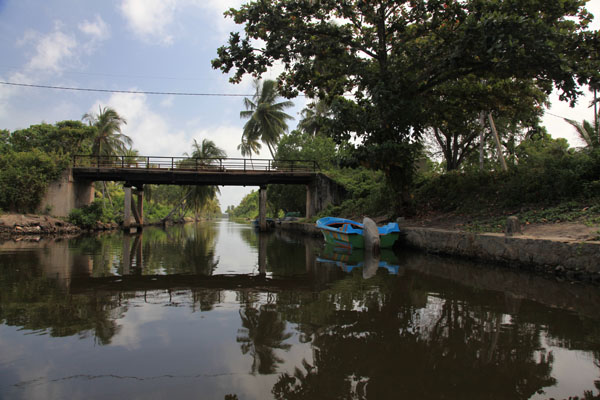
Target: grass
(571, 211)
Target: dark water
(215, 311)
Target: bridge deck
(188, 171)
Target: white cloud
(52, 50)
(227, 137)
(149, 131)
(97, 29)
(149, 19)
(168, 102)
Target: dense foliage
(24, 177)
(547, 173)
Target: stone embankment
(578, 260)
(570, 258)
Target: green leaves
(24, 177)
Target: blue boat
(348, 234)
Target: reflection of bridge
(75, 190)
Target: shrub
(88, 216)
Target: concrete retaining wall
(556, 256)
(523, 250)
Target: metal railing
(195, 164)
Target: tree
(390, 55)
(266, 117)
(300, 146)
(108, 140)
(205, 153)
(249, 146)
(457, 108)
(67, 137)
(315, 117)
(586, 132)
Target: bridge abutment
(65, 194)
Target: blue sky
(146, 45)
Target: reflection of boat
(347, 233)
(348, 260)
(270, 223)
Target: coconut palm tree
(266, 116)
(314, 117)
(205, 153)
(108, 139)
(249, 146)
(586, 132)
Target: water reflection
(296, 321)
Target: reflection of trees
(33, 302)
(181, 249)
(376, 340)
(262, 332)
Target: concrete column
(262, 208)
(140, 204)
(126, 258)
(127, 208)
(262, 254)
(308, 202)
(137, 250)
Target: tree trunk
(498, 145)
(176, 207)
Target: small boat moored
(348, 234)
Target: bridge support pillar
(262, 208)
(131, 208)
(127, 208)
(308, 202)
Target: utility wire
(554, 115)
(125, 91)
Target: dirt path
(561, 230)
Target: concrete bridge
(75, 188)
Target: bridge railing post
(172, 163)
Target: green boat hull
(355, 241)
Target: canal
(217, 311)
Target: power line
(125, 91)
(554, 115)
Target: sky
(147, 45)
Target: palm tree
(108, 140)
(262, 332)
(586, 132)
(205, 153)
(314, 117)
(249, 146)
(266, 118)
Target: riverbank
(12, 225)
(567, 250)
